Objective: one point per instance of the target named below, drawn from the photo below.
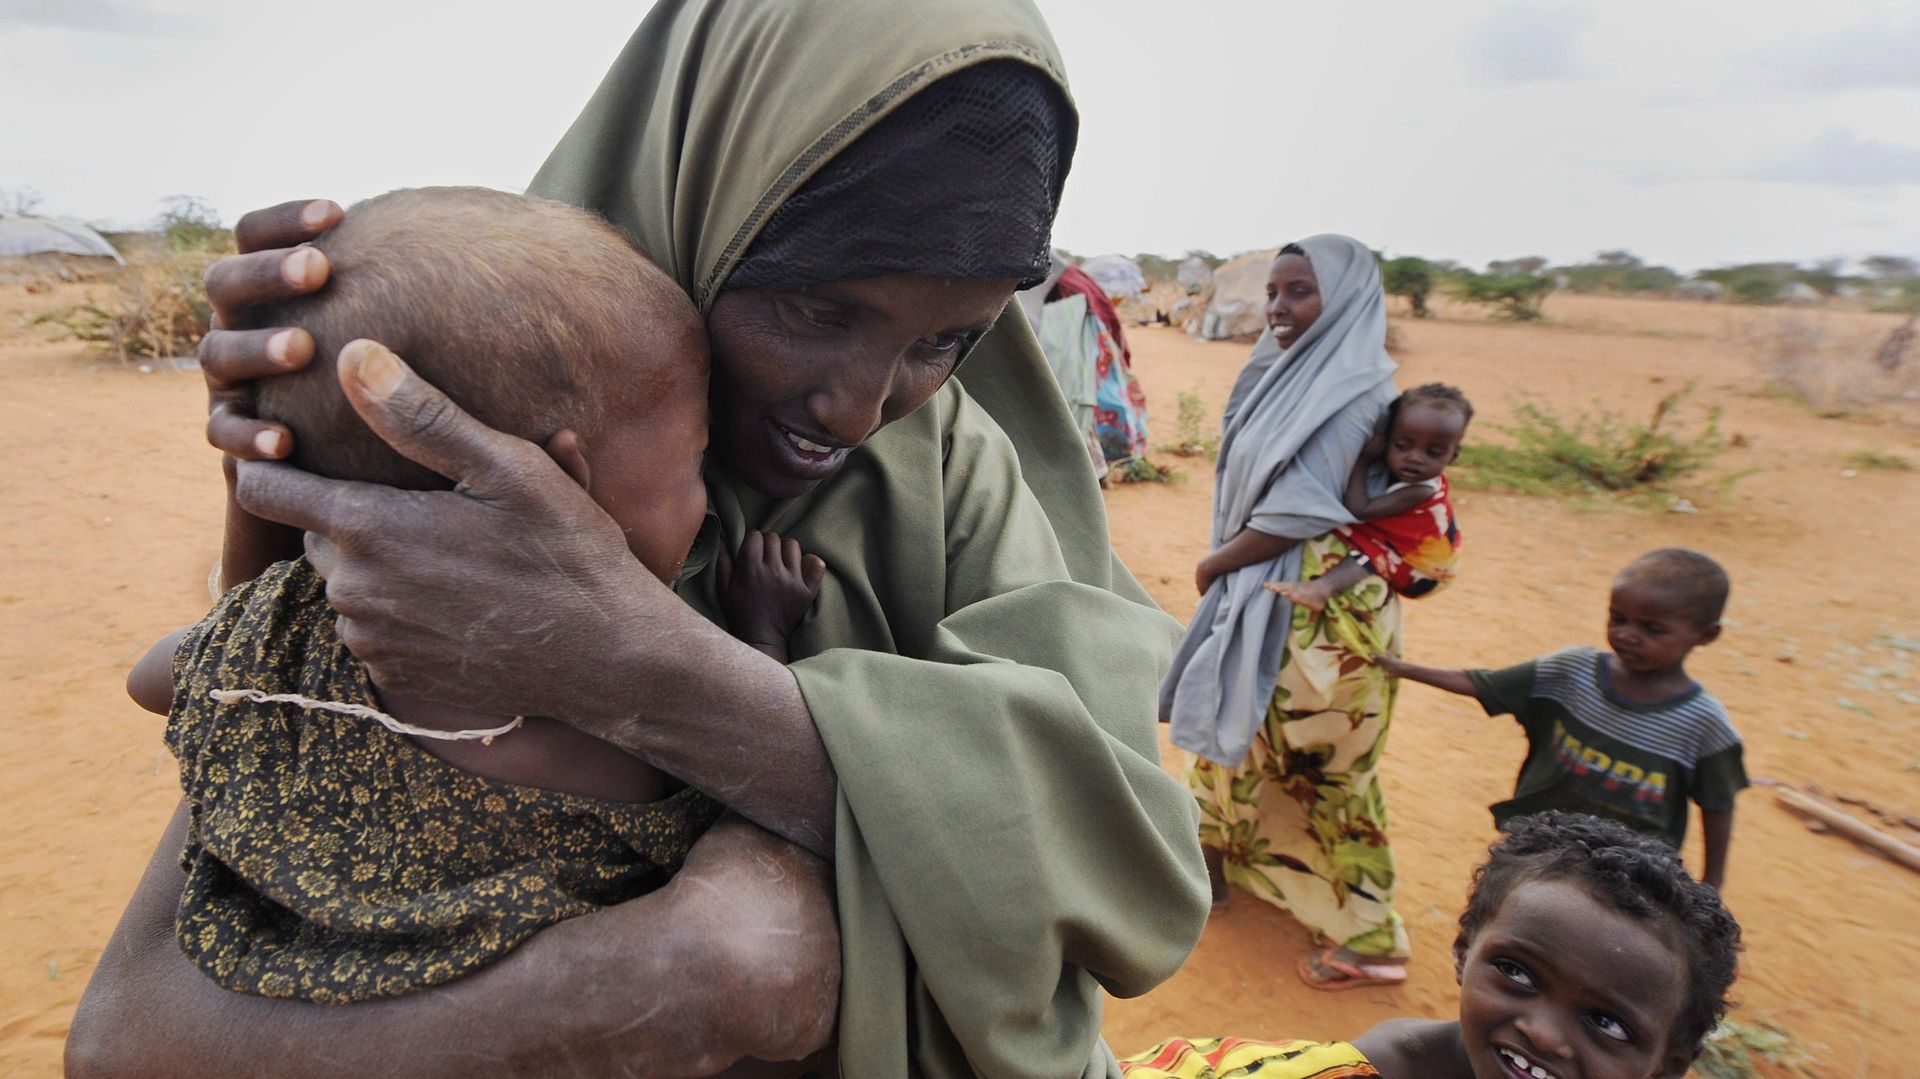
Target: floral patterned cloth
(1302, 823)
(1232, 1058)
(331, 860)
(1418, 551)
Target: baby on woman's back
(348, 841)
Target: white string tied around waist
(485, 737)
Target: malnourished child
(1625, 734)
(1585, 951)
(347, 842)
(1406, 534)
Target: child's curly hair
(1633, 873)
(1437, 394)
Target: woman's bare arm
(1249, 547)
(652, 987)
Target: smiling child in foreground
(1585, 952)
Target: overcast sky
(1695, 134)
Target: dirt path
(113, 510)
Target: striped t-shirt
(1592, 751)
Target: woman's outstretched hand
(511, 594)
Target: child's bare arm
(768, 588)
(1372, 509)
(150, 683)
(1453, 681)
(1718, 826)
(1355, 497)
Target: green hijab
(980, 666)
(715, 112)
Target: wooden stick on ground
(1905, 853)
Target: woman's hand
(1203, 575)
(1247, 547)
(513, 593)
(271, 266)
(237, 353)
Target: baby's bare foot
(1313, 595)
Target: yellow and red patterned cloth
(1418, 551)
(1231, 1058)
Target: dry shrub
(1837, 368)
(158, 308)
(1590, 452)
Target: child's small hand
(1390, 663)
(769, 588)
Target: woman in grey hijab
(1285, 717)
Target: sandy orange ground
(112, 520)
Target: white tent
(1194, 275)
(34, 248)
(1239, 304)
(1118, 275)
(22, 236)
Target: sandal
(1325, 970)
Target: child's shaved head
(1696, 582)
(533, 315)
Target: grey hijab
(1296, 422)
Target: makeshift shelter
(1086, 347)
(1194, 275)
(1239, 304)
(1117, 275)
(1800, 294)
(53, 247)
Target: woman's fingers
(233, 430)
(338, 510)
(424, 425)
(228, 357)
(237, 283)
(231, 360)
(286, 225)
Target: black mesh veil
(961, 180)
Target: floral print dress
(1302, 823)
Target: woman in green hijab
(850, 191)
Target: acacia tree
(1891, 266)
(1410, 278)
(1516, 296)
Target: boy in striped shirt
(1625, 734)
